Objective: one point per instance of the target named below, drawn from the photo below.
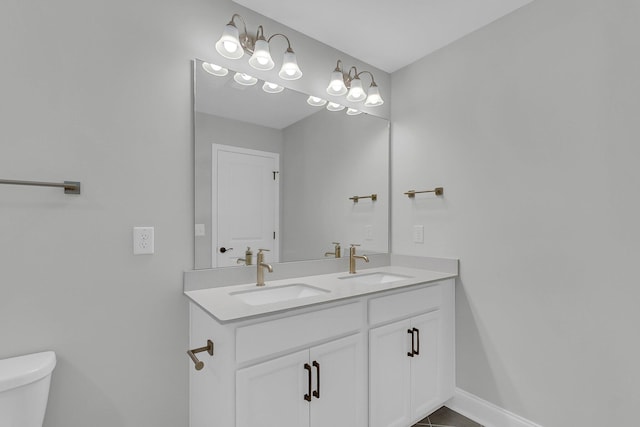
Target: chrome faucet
(261, 266)
(336, 252)
(353, 257)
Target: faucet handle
(264, 250)
(354, 245)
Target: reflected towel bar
(355, 199)
(70, 187)
(412, 193)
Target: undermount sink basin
(375, 278)
(269, 295)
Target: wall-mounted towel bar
(412, 193)
(70, 187)
(355, 199)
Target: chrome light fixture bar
(233, 45)
(350, 84)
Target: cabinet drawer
(274, 336)
(404, 304)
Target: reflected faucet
(248, 258)
(353, 257)
(261, 266)
(336, 252)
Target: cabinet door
(340, 388)
(272, 393)
(390, 375)
(425, 381)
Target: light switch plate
(418, 234)
(368, 232)
(199, 231)
(143, 240)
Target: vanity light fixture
(214, 69)
(233, 45)
(349, 83)
(272, 87)
(353, 112)
(315, 101)
(334, 106)
(245, 79)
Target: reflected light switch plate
(368, 232)
(418, 234)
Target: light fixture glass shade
(229, 43)
(356, 93)
(374, 99)
(214, 69)
(315, 101)
(290, 69)
(353, 111)
(272, 87)
(245, 79)
(334, 106)
(336, 85)
(261, 58)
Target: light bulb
(334, 106)
(272, 87)
(261, 58)
(214, 69)
(229, 43)
(315, 101)
(290, 69)
(356, 93)
(353, 111)
(374, 99)
(230, 46)
(245, 79)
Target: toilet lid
(22, 370)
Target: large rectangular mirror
(273, 172)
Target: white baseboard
(485, 413)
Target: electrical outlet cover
(143, 241)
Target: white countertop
(225, 307)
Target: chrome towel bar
(70, 187)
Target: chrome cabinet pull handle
(307, 396)
(316, 393)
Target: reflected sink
(269, 295)
(375, 278)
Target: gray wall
(101, 92)
(531, 125)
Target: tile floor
(445, 417)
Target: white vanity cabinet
(322, 386)
(410, 360)
(306, 368)
(341, 363)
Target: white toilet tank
(24, 389)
